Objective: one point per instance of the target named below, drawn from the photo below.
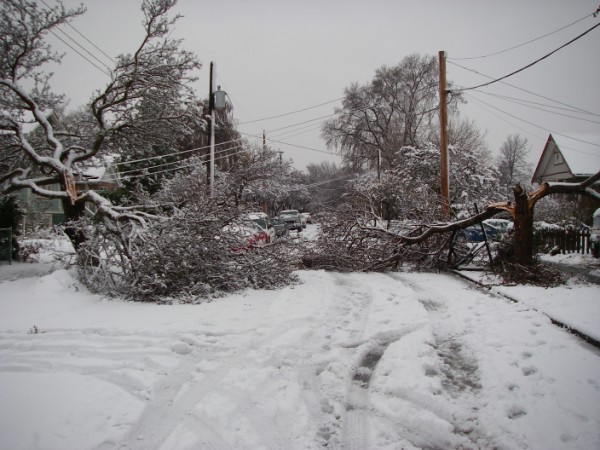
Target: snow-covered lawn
(361, 361)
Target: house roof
(580, 154)
(580, 151)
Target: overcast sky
(278, 56)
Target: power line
(228, 142)
(484, 105)
(193, 164)
(175, 153)
(538, 126)
(524, 103)
(291, 112)
(84, 49)
(79, 53)
(83, 36)
(177, 161)
(291, 145)
(530, 64)
(303, 123)
(524, 43)
(299, 131)
(525, 90)
(94, 45)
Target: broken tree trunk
(523, 220)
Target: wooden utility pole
(211, 110)
(444, 178)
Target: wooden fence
(564, 239)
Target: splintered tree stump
(523, 222)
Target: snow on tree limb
(148, 97)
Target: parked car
(279, 226)
(292, 218)
(262, 220)
(307, 216)
(248, 234)
(595, 234)
(303, 220)
(494, 231)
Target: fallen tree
(348, 241)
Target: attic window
(557, 158)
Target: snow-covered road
(346, 361)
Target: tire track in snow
(460, 372)
(358, 412)
(180, 391)
(354, 421)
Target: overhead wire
(293, 133)
(81, 46)
(487, 107)
(291, 112)
(79, 53)
(175, 153)
(223, 143)
(85, 50)
(170, 163)
(525, 90)
(291, 145)
(319, 119)
(193, 164)
(530, 64)
(524, 103)
(539, 126)
(524, 43)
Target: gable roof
(580, 152)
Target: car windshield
(261, 222)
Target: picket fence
(564, 239)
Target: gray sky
(278, 56)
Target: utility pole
(211, 110)
(444, 178)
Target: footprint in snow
(515, 412)
(181, 348)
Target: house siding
(552, 165)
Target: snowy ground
(347, 361)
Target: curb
(490, 290)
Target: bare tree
(396, 109)
(148, 90)
(326, 183)
(512, 162)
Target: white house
(568, 157)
